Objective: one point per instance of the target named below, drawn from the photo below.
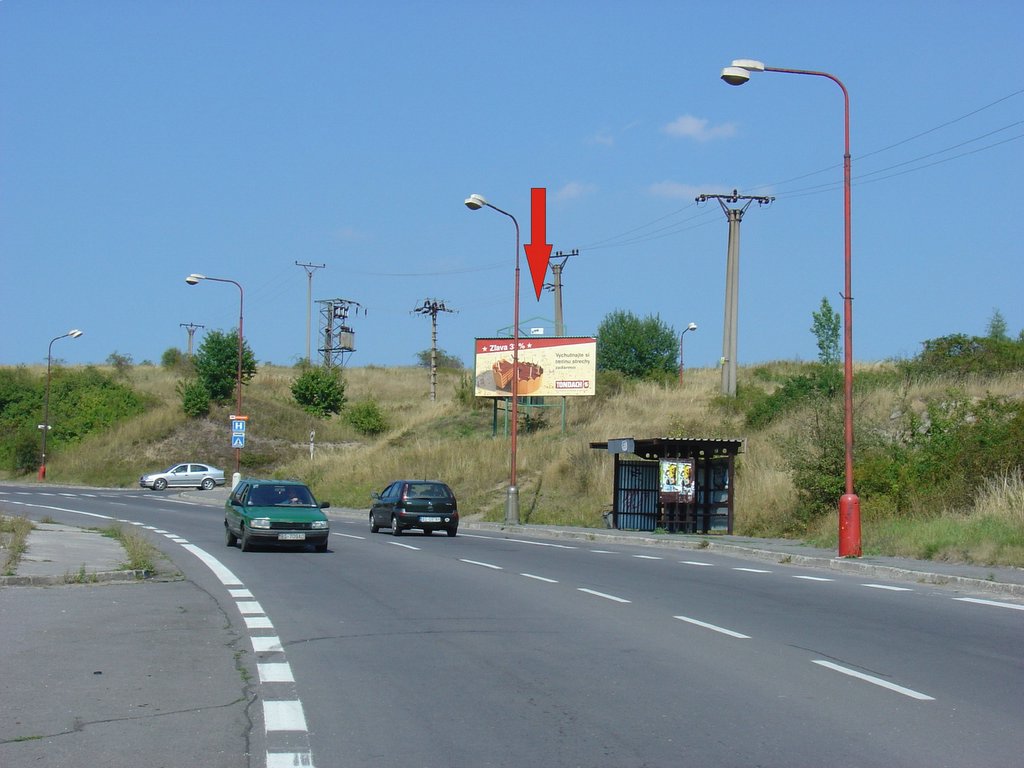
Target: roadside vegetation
(14, 533)
(939, 439)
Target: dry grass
(561, 479)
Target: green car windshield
(271, 495)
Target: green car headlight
(260, 522)
(318, 524)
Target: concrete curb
(69, 579)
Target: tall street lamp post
(74, 333)
(192, 280)
(690, 327)
(475, 203)
(849, 504)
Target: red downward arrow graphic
(538, 252)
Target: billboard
(548, 366)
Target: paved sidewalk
(66, 554)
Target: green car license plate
(430, 519)
(291, 537)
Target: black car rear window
(428, 491)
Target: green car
(278, 512)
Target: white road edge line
(713, 627)
(873, 680)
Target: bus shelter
(675, 484)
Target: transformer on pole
(337, 338)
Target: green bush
(367, 418)
(195, 398)
(320, 391)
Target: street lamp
(74, 333)
(690, 327)
(849, 505)
(192, 280)
(475, 203)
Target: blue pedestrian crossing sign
(238, 440)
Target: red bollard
(849, 525)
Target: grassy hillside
(561, 479)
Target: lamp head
(739, 71)
(735, 75)
(194, 278)
(691, 327)
(74, 333)
(475, 202)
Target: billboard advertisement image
(548, 367)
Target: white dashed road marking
(713, 627)
(874, 680)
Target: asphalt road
(493, 650)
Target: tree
(826, 330)
(320, 391)
(171, 357)
(444, 360)
(997, 327)
(638, 348)
(216, 364)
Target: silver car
(189, 475)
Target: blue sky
(143, 141)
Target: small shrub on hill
(195, 398)
(320, 391)
(367, 418)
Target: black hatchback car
(428, 505)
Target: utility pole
(732, 280)
(191, 328)
(432, 307)
(310, 269)
(556, 270)
(338, 337)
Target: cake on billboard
(551, 367)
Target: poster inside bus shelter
(677, 481)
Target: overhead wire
(622, 238)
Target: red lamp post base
(849, 525)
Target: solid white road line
(874, 680)
(713, 627)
